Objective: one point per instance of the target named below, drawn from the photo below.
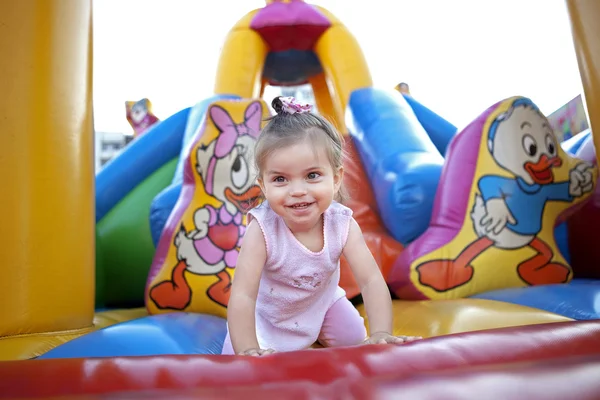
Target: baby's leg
(343, 325)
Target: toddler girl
(285, 295)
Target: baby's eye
(279, 179)
(313, 175)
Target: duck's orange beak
(541, 171)
(246, 200)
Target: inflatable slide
(463, 225)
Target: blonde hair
(285, 129)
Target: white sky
(459, 56)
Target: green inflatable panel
(124, 248)
(100, 284)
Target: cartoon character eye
(529, 145)
(550, 145)
(239, 172)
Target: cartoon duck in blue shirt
(508, 211)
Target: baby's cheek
(275, 193)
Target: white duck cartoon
(227, 172)
(508, 212)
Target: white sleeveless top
(298, 285)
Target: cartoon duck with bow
(508, 211)
(212, 245)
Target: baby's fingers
(391, 340)
(396, 340)
(406, 339)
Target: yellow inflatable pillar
(263, 85)
(46, 169)
(323, 100)
(240, 66)
(343, 62)
(584, 15)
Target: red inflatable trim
(560, 378)
(298, 37)
(314, 367)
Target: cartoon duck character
(508, 211)
(140, 116)
(226, 168)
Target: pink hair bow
(291, 106)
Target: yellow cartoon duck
(508, 211)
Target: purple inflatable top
(294, 13)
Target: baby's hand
(256, 352)
(385, 338)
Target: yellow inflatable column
(343, 62)
(323, 99)
(240, 66)
(584, 15)
(46, 169)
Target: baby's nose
(297, 189)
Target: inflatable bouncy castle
(484, 235)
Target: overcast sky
(459, 56)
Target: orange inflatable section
(362, 202)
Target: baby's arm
(375, 293)
(244, 290)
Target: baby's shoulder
(338, 209)
(262, 211)
(266, 218)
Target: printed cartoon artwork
(140, 116)
(570, 119)
(492, 227)
(197, 253)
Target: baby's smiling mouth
(300, 206)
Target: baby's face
(299, 184)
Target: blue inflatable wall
(402, 163)
(439, 130)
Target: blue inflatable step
(173, 333)
(579, 299)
